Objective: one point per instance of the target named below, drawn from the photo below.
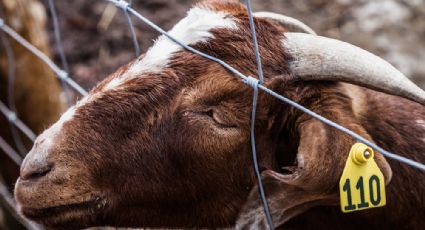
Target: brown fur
(173, 149)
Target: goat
(165, 141)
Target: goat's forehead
(52, 133)
(196, 28)
(193, 29)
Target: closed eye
(219, 119)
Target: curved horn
(320, 58)
(291, 24)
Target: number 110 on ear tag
(362, 183)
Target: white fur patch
(113, 83)
(50, 133)
(194, 28)
(421, 123)
(56, 127)
(67, 116)
(47, 138)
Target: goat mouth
(63, 216)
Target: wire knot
(122, 4)
(253, 82)
(63, 75)
(12, 117)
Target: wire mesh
(62, 56)
(11, 92)
(7, 200)
(63, 75)
(124, 4)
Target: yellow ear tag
(362, 184)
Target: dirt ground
(393, 29)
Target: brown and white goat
(164, 142)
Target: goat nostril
(37, 172)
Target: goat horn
(320, 58)
(291, 24)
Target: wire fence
(7, 200)
(64, 76)
(11, 92)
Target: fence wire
(7, 200)
(58, 40)
(256, 84)
(253, 115)
(61, 74)
(10, 152)
(13, 118)
(11, 75)
(249, 81)
(132, 31)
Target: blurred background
(392, 29)
(97, 40)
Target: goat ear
(321, 156)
